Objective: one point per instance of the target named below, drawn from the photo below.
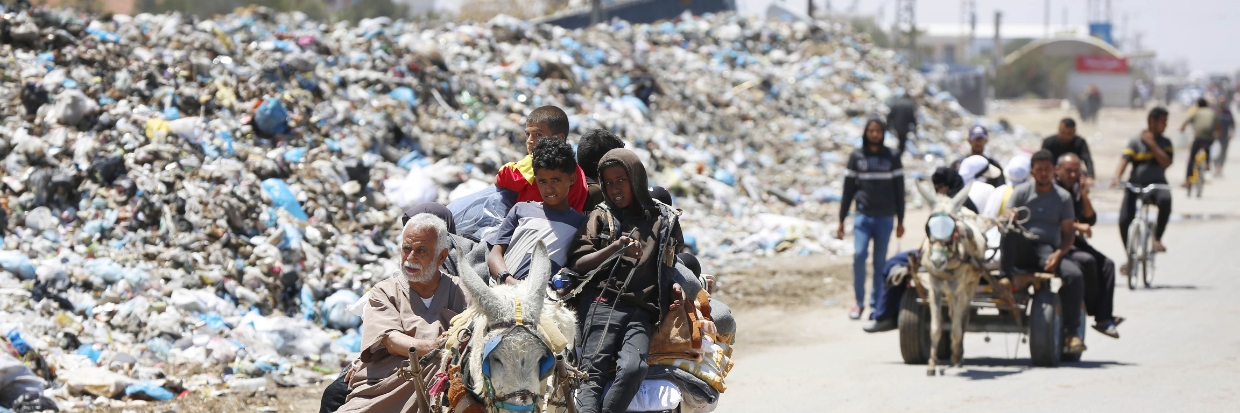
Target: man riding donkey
(404, 318)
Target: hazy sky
(1205, 32)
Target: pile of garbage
(189, 205)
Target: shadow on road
(1176, 287)
(993, 368)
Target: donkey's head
(515, 358)
(943, 228)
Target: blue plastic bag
(19, 343)
(282, 197)
(336, 310)
(18, 264)
(295, 154)
(351, 342)
(90, 352)
(105, 268)
(405, 94)
(271, 117)
(480, 214)
(148, 390)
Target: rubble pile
(189, 205)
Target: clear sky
(1204, 32)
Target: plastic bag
(655, 396)
(271, 117)
(415, 188)
(148, 390)
(105, 268)
(336, 310)
(479, 215)
(18, 264)
(283, 198)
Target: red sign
(1101, 63)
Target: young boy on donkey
(544, 122)
(632, 240)
(550, 221)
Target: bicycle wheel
(1147, 263)
(1134, 256)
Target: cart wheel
(1045, 330)
(1080, 332)
(914, 322)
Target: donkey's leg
(936, 324)
(960, 320)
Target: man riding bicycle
(1150, 154)
(1206, 128)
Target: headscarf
(691, 263)
(947, 177)
(1017, 170)
(434, 209)
(637, 178)
(976, 168)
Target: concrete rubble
(189, 205)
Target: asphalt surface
(1178, 351)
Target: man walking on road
(875, 178)
(902, 119)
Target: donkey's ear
(927, 192)
(958, 200)
(478, 290)
(536, 283)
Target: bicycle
(1140, 247)
(1198, 178)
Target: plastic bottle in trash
(255, 384)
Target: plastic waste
(147, 390)
(283, 198)
(17, 263)
(271, 117)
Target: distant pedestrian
(902, 119)
(875, 178)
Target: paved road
(1180, 349)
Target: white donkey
(510, 361)
(952, 254)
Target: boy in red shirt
(544, 122)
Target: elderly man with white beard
(405, 316)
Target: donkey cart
(1033, 311)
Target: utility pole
(596, 12)
(809, 8)
(996, 52)
(905, 15)
(1046, 20)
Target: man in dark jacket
(902, 119)
(875, 178)
(978, 138)
(1066, 141)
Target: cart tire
(914, 324)
(1045, 330)
(1080, 332)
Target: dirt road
(1179, 350)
